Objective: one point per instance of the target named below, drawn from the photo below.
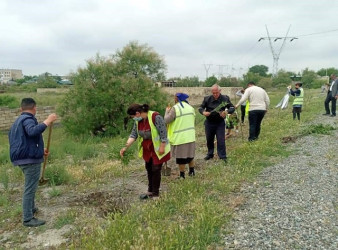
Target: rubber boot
(191, 171)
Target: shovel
(42, 180)
(166, 171)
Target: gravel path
(292, 205)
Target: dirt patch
(105, 202)
(289, 139)
(48, 239)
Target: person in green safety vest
(297, 104)
(153, 145)
(181, 133)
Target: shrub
(103, 91)
(8, 101)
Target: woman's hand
(122, 151)
(161, 149)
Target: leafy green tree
(251, 77)
(265, 82)
(229, 82)
(308, 77)
(139, 59)
(261, 70)
(104, 89)
(282, 79)
(211, 80)
(46, 80)
(188, 82)
(327, 72)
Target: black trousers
(255, 120)
(154, 177)
(242, 113)
(215, 129)
(333, 101)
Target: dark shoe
(332, 115)
(326, 114)
(208, 157)
(34, 222)
(225, 160)
(35, 210)
(191, 172)
(144, 196)
(182, 175)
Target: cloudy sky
(58, 36)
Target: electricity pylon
(276, 53)
(207, 67)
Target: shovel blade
(166, 171)
(43, 181)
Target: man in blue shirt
(27, 152)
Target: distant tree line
(259, 74)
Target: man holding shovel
(27, 152)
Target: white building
(10, 74)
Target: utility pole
(275, 52)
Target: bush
(9, 101)
(104, 90)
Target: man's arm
(33, 129)
(244, 97)
(267, 101)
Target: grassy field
(190, 214)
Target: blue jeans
(255, 120)
(32, 176)
(218, 130)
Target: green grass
(317, 129)
(191, 213)
(65, 219)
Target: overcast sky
(58, 36)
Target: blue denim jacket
(25, 140)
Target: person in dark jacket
(27, 152)
(215, 108)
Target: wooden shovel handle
(48, 145)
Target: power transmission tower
(276, 53)
(207, 67)
(220, 70)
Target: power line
(311, 34)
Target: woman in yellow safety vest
(297, 104)
(153, 145)
(181, 133)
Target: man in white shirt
(259, 103)
(332, 95)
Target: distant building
(171, 83)
(7, 75)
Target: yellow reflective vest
(299, 99)
(182, 129)
(155, 136)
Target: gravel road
(292, 205)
